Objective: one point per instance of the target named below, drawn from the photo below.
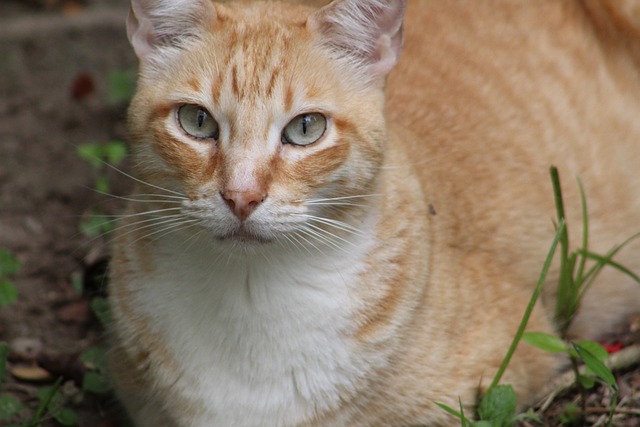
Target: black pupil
(201, 116)
(306, 120)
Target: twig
(621, 411)
(601, 421)
(20, 388)
(620, 360)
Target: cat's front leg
(135, 392)
(150, 416)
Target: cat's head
(268, 116)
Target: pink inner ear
(167, 22)
(140, 33)
(368, 32)
(388, 51)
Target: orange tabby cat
(311, 243)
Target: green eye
(197, 122)
(305, 129)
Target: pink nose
(243, 203)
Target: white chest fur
(263, 340)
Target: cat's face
(258, 128)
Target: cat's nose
(243, 203)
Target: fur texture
(384, 267)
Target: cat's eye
(197, 122)
(305, 129)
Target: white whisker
(194, 238)
(294, 240)
(141, 181)
(155, 222)
(329, 235)
(320, 235)
(159, 195)
(334, 199)
(299, 234)
(336, 204)
(132, 199)
(118, 218)
(125, 216)
(168, 229)
(185, 225)
(340, 225)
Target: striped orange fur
(340, 214)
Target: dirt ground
(55, 60)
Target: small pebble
(25, 349)
(75, 312)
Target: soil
(56, 57)
(55, 61)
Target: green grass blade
(593, 272)
(449, 409)
(591, 275)
(4, 353)
(566, 296)
(529, 309)
(612, 408)
(464, 421)
(606, 260)
(557, 193)
(44, 403)
(585, 233)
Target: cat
(342, 209)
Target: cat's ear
(367, 33)
(153, 24)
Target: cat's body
(257, 300)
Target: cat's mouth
(242, 235)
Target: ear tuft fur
(153, 24)
(367, 33)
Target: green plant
(95, 379)
(51, 404)
(9, 265)
(590, 353)
(499, 401)
(464, 421)
(122, 85)
(9, 405)
(497, 407)
(575, 279)
(101, 157)
(570, 415)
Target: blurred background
(66, 76)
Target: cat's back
(498, 91)
(471, 65)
